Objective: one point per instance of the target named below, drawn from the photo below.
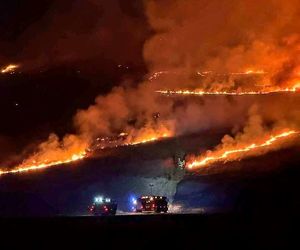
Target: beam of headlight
(237, 153)
(226, 93)
(9, 68)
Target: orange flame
(41, 165)
(250, 72)
(157, 74)
(54, 156)
(148, 134)
(228, 93)
(237, 152)
(148, 139)
(151, 137)
(9, 68)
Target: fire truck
(103, 206)
(154, 204)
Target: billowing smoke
(224, 37)
(209, 44)
(133, 110)
(255, 139)
(193, 36)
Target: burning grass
(240, 150)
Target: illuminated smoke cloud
(224, 37)
(254, 140)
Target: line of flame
(9, 68)
(75, 157)
(148, 140)
(157, 74)
(228, 93)
(27, 168)
(205, 161)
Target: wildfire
(9, 68)
(247, 72)
(237, 152)
(157, 74)
(147, 139)
(45, 164)
(148, 134)
(227, 93)
(54, 157)
(250, 72)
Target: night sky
(70, 52)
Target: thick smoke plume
(192, 36)
(206, 44)
(224, 37)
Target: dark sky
(69, 52)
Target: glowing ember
(9, 68)
(228, 93)
(157, 74)
(41, 165)
(237, 152)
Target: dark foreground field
(152, 231)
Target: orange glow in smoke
(237, 152)
(250, 72)
(148, 134)
(63, 157)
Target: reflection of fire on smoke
(240, 151)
